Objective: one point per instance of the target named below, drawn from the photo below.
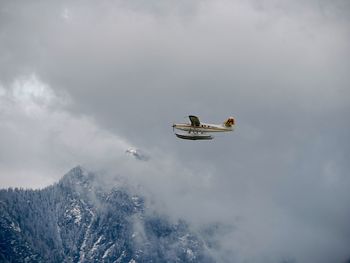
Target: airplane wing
(194, 121)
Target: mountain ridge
(78, 220)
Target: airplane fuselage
(203, 127)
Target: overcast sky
(82, 81)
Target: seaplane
(196, 130)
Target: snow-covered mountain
(138, 154)
(76, 220)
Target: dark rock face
(77, 221)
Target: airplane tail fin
(229, 122)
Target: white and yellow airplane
(197, 130)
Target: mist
(81, 82)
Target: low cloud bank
(41, 140)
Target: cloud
(115, 72)
(41, 140)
